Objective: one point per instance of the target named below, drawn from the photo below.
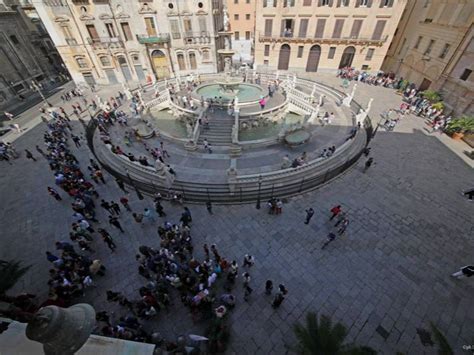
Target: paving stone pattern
(388, 276)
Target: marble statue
(348, 99)
(128, 94)
(227, 64)
(286, 163)
(362, 115)
(313, 91)
(226, 21)
(189, 130)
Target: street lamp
(259, 187)
(35, 86)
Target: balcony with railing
(202, 37)
(157, 38)
(290, 37)
(105, 42)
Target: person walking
(163, 150)
(368, 164)
(115, 222)
(148, 215)
(39, 150)
(342, 228)
(309, 215)
(249, 260)
(106, 206)
(159, 209)
(54, 193)
(209, 207)
(121, 185)
(335, 211)
(124, 202)
(469, 194)
(76, 140)
(268, 287)
(115, 207)
(465, 271)
(278, 300)
(29, 155)
(107, 238)
(138, 217)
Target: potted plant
(439, 106)
(458, 127)
(432, 96)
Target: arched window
(81, 62)
(122, 60)
(105, 61)
(192, 60)
(181, 63)
(205, 54)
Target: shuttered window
(332, 52)
(266, 51)
(356, 26)
(320, 24)
(338, 28)
(370, 54)
(175, 33)
(378, 31)
(303, 28)
(268, 27)
(202, 24)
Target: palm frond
(10, 273)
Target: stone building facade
(26, 52)
(324, 35)
(242, 24)
(433, 47)
(118, 41)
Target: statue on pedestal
(226, 21)
(347, 100)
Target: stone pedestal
(190, 146)
(235, 150)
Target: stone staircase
(219, 132)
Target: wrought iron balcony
(292, 38)
(105, 42)
(158, 38)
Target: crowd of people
(387, 80)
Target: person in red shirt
(335, 211)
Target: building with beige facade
(26, 52)
(242, 24)
(117, 41)
(433, 49)
(324, 35)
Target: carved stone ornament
(86, 17)
(105, 17)
(146, 9)
(61, 19)
(121, 16)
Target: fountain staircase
(219, 132)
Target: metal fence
(223, 193)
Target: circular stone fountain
(227, 90)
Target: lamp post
(35, 86)
(259, 188)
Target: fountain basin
(246, 93)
